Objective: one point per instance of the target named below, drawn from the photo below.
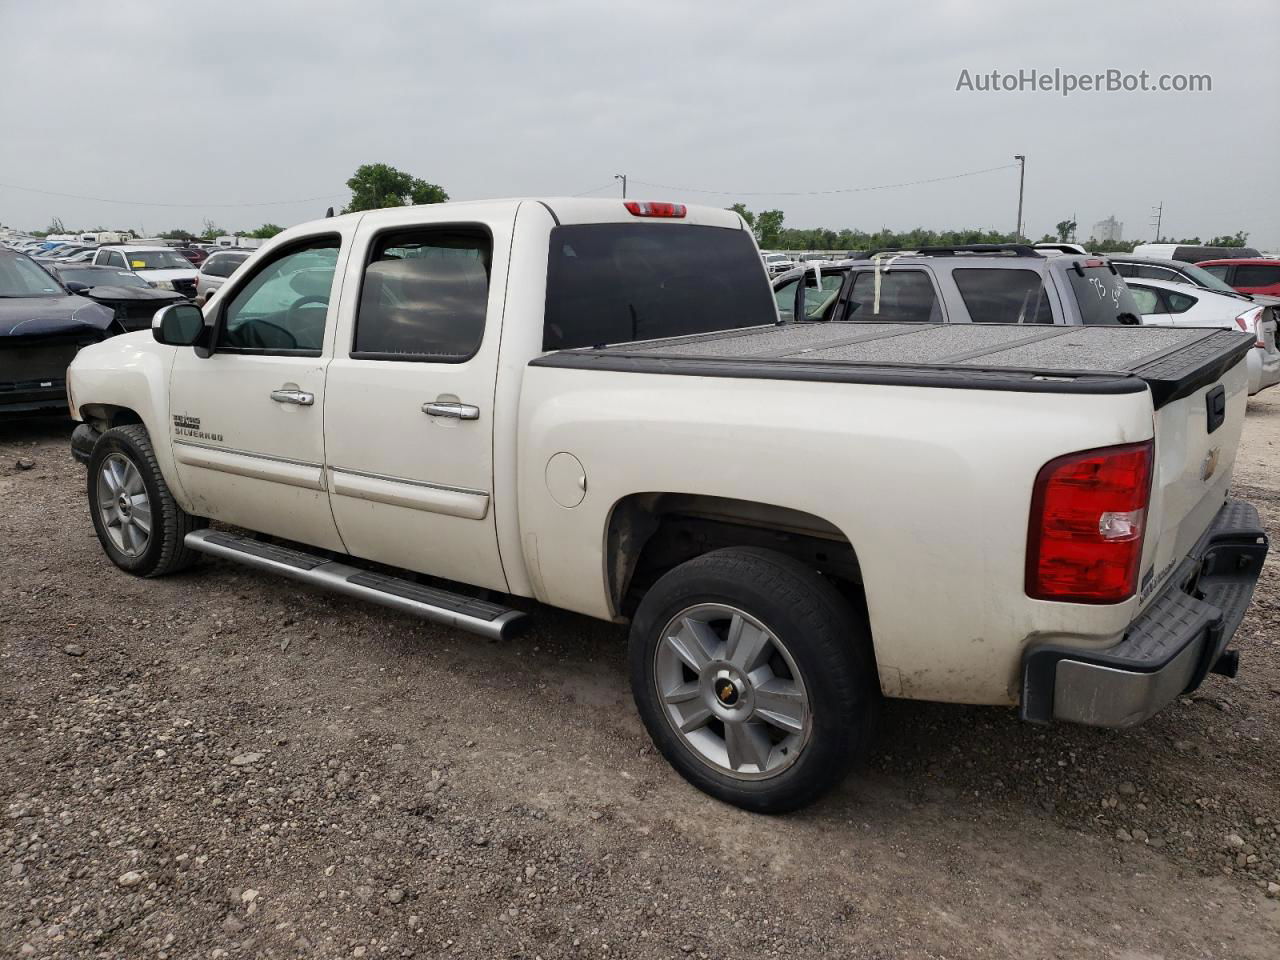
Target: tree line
(375, 186)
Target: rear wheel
(140, 525)
(754, 677)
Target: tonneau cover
(1172, 361)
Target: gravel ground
(223, 765)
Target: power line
(146, 203)
(817, 193)
(602, 186)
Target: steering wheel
(291, 319)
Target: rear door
(410, 394)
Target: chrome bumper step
(430, 603)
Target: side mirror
(75, 286)
(178, 325)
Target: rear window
(1257, 275)
(1004, 296)
(1103, 297)
(623, 282)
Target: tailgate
(1199, 392)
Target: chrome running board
(431, 603)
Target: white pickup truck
(592, 404)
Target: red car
(1252, 275)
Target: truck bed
(1172, 362)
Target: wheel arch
(104, 416)
(648, 534)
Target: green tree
(1065, 229)
(178, 234)
(377, 185)
(741, 210)
(1237, 239)
(211, 231)
(266, 231)
(769, 227)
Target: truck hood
(43, 316)
(169, 273)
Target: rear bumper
(1168, 650)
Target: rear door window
(820, 294)
(425, 295)
(1102, 296)
(903, 295)
(1179, 302)
(1218, 270)
(1256, 275)
(785, 295)
(1004, 296)
(1148, 300)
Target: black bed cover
(1172, 362)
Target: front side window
(786, 297)
(284, 305)
(114, 258)
(158, 260)
(820, 294)
(424, 296)
(1004, 296)
(903, 295)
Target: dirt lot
(225, 765)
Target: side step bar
(431, 603)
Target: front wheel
(754, 677)
(140, 525)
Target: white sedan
(1164, 303)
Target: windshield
(1204, 278)
(1103, 296)
(157, 260)
(19, 277)
(94, 277)
(622, 282)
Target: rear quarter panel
(931, 486)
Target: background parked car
(133, 301)
(1247, 275)
(1178, 305)
(161, 267)
(42, 328)
(195, 254)
(214, 272)
(1189, 253)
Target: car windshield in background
(19, 277)
(157, 260)
(103, 278)
(622, 282)
(1206, 279)
(1102, 296)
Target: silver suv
(215, 270)
(977, 283)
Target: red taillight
(1088, 518)
(648, 208)
(1251, 322)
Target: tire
(789, 714)
(123, 464)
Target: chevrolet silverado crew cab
(593, 404)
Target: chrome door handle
(300, 397)
(458, 411)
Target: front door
(247, 421)
(410, 395)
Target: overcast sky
(210, 106)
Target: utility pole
(1022, 175)
(1157, 215)
(623, 178)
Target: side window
(1004, 296)
(1126, 269)
(284, 305)
(115, 258)
(1179, 302)
(1148, 300)
(820, 294)
(905, 295)
(1154, 273)
(424, 296)
(786, 297)
(1219, 270)
(1256, 275)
